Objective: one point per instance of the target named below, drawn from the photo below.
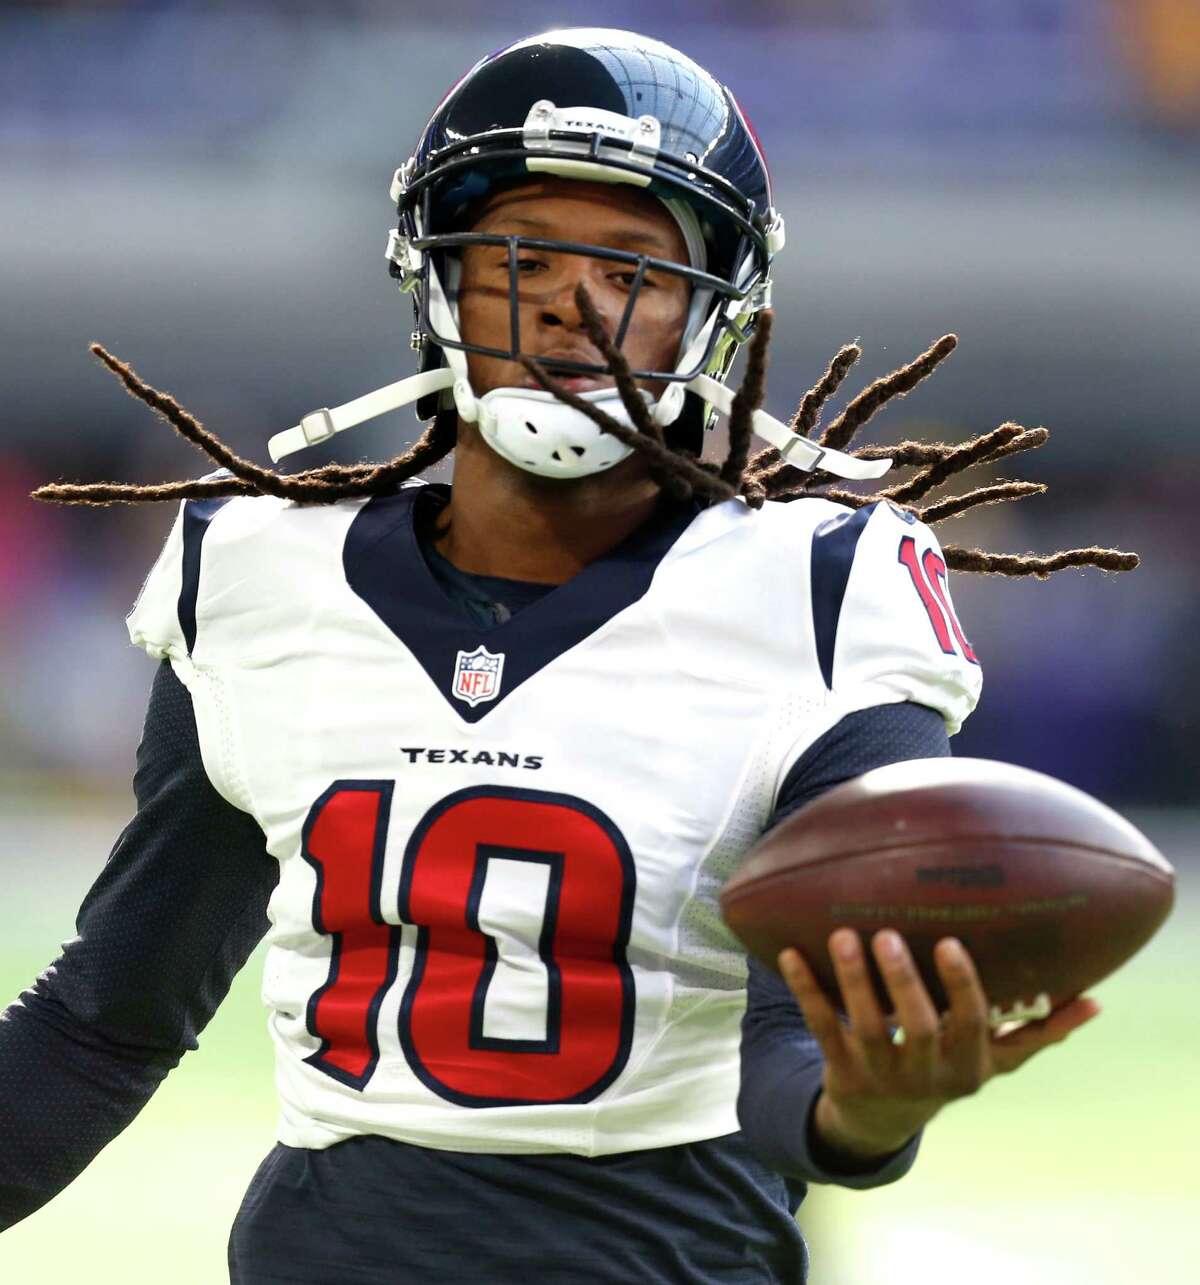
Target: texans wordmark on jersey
(496, 924)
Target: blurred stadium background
(202, 187)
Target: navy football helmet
(596, 105)
(609, 106)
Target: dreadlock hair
(680, 473)
(324, 485)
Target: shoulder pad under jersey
(884, 625)
(163, 619)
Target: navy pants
(372, 1210)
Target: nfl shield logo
(477, 676)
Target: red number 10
(928, 575)
(582, 875)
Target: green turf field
(1079, 1170)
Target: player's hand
(875, 1093)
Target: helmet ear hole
(686, 433)
(432, 358)
(445, 420)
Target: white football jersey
(496, 927)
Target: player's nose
(561, 306)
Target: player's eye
(625, 279)
(528, 267)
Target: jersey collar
(384, 566)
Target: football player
(478, 760)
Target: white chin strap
(542, 435)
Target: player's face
(621, 218)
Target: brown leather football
(1048, 889)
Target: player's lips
(573, 383)
(577, 383)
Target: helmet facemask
(532, 428)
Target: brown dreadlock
(324, 485)
(681, 474)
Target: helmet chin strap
(525, 405)
(321, 425)
(536, 432)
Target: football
(1049, 890)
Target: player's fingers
(914, 1010)
(967, 1034)
(858, 996)
(967, 1015)
(819, 1014)
(1013, 1050)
